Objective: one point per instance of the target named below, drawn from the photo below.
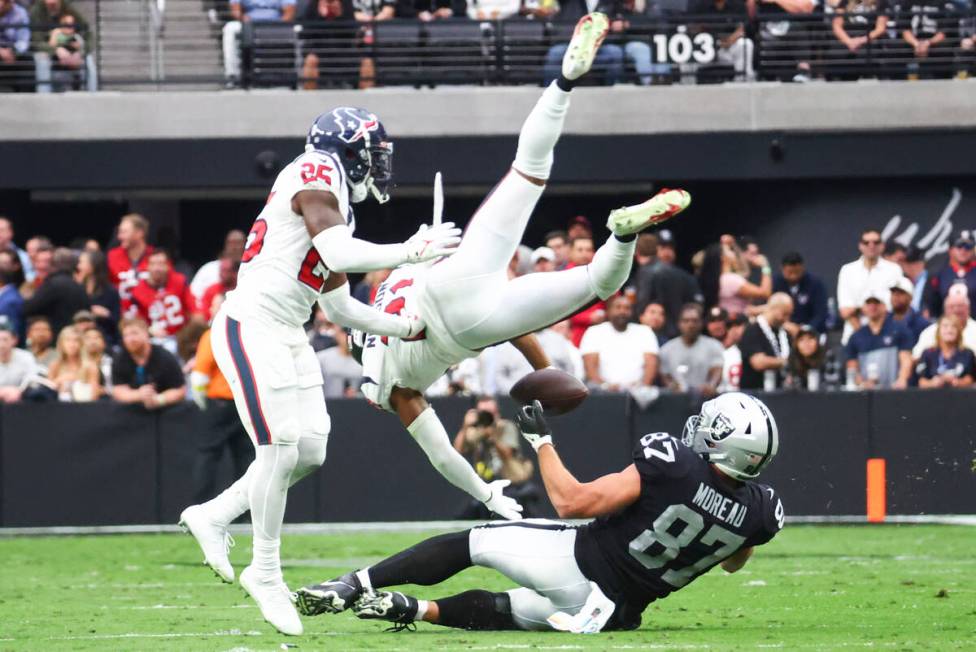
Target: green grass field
(812, 588)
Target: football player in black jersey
(679, 509)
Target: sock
(421, 609)
(540, 131)
(364, 582)
(429, 562)
(611, 266)
(565, 83)
(482, 610)
(267, 494)
(232, 502)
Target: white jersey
(281, 273)
(413, 364)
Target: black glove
(532, 422)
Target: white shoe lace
(228, 542)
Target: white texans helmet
(736, 432)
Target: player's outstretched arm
(571, 498)
(342, 309)
(532, 351)
(422, 423)
(341, 252)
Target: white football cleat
(214, 540)
(274, 600)
(587, 39)
(659, 208)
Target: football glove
(532, 423)
(501, 504)
(431, 242)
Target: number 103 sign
(683, 48)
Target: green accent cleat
(587, 39)
(659, 208)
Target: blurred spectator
(856, 24)
(654, 317)
(60, 296)
(94, 343)
(808, 292)
(163, 299)
(428, 10)
(924, 38)
(956, 305)
(226, 283)
(11, 265)
(322, 332)
(127, 263)
(14, 43)
(879, 353)
(543, 260)
(581, 253)
(636, 48)
(609, 58)
(209, 272)
(367, 11)
(75, 377)
(365, 290)
(692, 362)
(661, 281)
(17, 366)
(330, 24)
(894, 252)
(84, 321)
(342, 374)
(247, 11)
(188, 339)
(901, 309)
(493, 9)
(7, 244)
(765, 345)
(558, 241)
(143, 372)
(914, 270)
(223, 430)
(41, 259)
(949, 363)
(805, 368)
(960, 268)
(618, 354)
(92, 274)
(579, 227)
(66, 45)
(492, 446)
(717, 323)
(11, 303)
(556, 341)
(787, 42)
(869, 273)
(40, 337)
(723, 278)
(725, 22)
(732, 355)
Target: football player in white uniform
(297, 253)
(468, 302)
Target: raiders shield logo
(722, 427)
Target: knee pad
(311, 454)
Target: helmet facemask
(737, 440)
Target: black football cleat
(331, 597)
(392, 606)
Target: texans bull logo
(354, 124)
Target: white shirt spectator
(206, 276)
(561, 352)
(621, 353)
(926, 339)
(19, 370)
(856, 280)
(731, 369)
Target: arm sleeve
(844, 298)
(648, 340)
(590, 343)
(429, 432)
(341, 252)
(342, 309)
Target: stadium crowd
(79, 324)
(47, 45)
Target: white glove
(501, 504)
(532, 423)
(432, 242)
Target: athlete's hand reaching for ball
(432, 242)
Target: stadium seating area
(141, 44)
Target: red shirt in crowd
(206, 299)
(169, 307)
(123, 274)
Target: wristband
(160, 400)
(767, 270)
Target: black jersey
(686, 520)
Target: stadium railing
(150, 44)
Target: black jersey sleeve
(660, 457)
(773, 516)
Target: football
(558, 391)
